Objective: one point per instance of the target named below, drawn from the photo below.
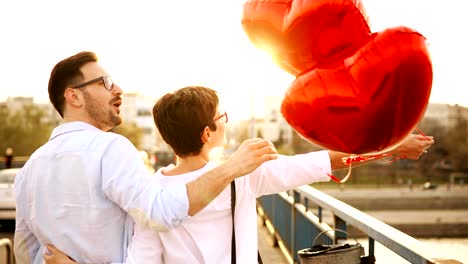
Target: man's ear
(73, 97)
(206, 135)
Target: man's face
(100, 104)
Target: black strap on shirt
(233, 209)
(233, 241)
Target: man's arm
(127, 183)
(412, 148)
(251, 154)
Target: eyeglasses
(108, 84)
(221, 116)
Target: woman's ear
(206, 135)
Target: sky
(153, 47)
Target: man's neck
(83, 118)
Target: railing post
(319, 214)
(341, 225)
(273, 219)
(294, 243)
(6, 243)
(371, 247)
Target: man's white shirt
(77, 191)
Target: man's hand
(413, 146)
(250, 155)
(56, 256)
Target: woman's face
(219, 135)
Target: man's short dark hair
(182, 115)
(67, 73)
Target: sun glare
(201, 44)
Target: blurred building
(275, 128)
(17, 103)
(137, 109)
(271, 125)
(445, 114)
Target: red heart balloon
(372, 101)
(355, 91)
(302, 35)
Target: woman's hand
(413, 146)
(56, 256)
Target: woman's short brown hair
(182, 115)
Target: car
(429, 186)
(7, 193)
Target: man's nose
(117, 90)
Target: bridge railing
(296, 225)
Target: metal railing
(6, 251)
(296, 226)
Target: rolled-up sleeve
(126, 182)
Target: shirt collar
(72, 127)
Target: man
(8, 158)
(77, 190)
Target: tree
(259, 133)
(280, 141)
(131, 131)
(301, 145)
(457, 142)
(242, 132)
(24, 130)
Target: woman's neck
(188, 164)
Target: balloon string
(335, 179)
(358, 158)
(422, 134)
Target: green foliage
(457, 143)
(301, 145)
(24, 130)
(243, 134)
(450, 151)
(131, 131)
(259, 133)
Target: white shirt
(206, 237)
(75, 191)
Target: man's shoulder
(104, 137)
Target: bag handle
(339, 230)
(233, 241)
(233, 208)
